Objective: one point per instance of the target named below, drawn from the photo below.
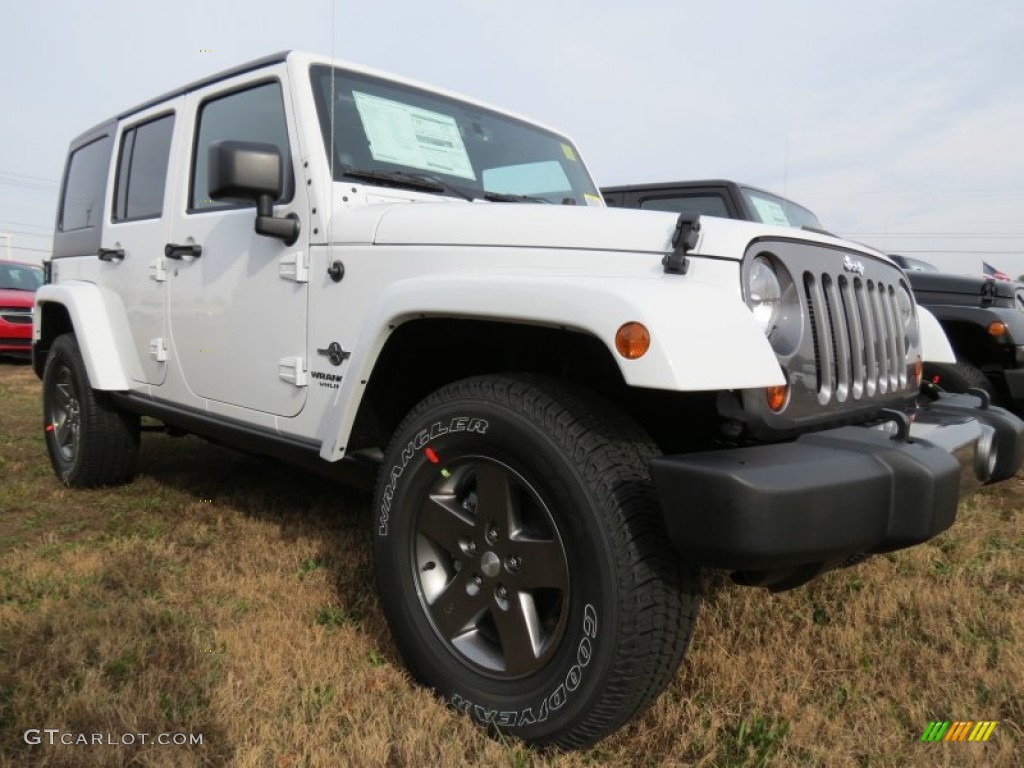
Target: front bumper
(15, 338)
(782, 514)
(1014, 378)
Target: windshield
(913, 265)
(20, 277)
(396, 135)
(772, 209)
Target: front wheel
(522, 562)
(958, 377)
(90, 441)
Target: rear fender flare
(101, 326)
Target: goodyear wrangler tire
(90, 441)
(522, 562)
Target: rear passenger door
(131, 251)
(238, 300)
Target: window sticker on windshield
(569, 154)
(541, 178)
(593, 200)
(769, 211)
(414, 137)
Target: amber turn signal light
(997, 328)
(777, 396)
(919, 372)
(632, 340)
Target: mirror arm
(265, 206)
(284, 228)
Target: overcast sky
(900, 123)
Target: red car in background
(18, 283)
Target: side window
(255, 114)
(707, 205)
(142, 170)
(82, 205)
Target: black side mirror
(248, 171)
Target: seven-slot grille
(17, 315)
(860, 349)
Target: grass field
(233, 598)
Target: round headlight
(905, 302)
(764, 294)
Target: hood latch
(684, 239)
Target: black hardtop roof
(668, 185)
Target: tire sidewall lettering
(418, 442)
(551, 702)
(522, 437)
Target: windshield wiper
(502, 197)
(403, 179)
(395, 177)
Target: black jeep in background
(983, 318)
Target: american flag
(994, 273)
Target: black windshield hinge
(683, 240)
(988, 292)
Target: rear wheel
(522, 562)
(90, 441)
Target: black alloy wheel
(91, 442)
(522, 561)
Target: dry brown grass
(234, 598)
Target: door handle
(175, 251)
(110, 254)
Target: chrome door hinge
(291, 370)
(158, 350)
(295, 266)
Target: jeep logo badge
(852, 265)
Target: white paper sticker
(414, 137)
(770, 211)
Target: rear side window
(706, 205)
(82, 205)
(255, 114)
(142, 170)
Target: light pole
(8, 238)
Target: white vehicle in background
(569, 409)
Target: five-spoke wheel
(90, 440)
(522, 561)
(491, 568)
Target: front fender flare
(703, 337)
(101, 327)
(935, 346)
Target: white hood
(525, 225)
(530, 225)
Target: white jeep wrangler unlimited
(570, 409)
